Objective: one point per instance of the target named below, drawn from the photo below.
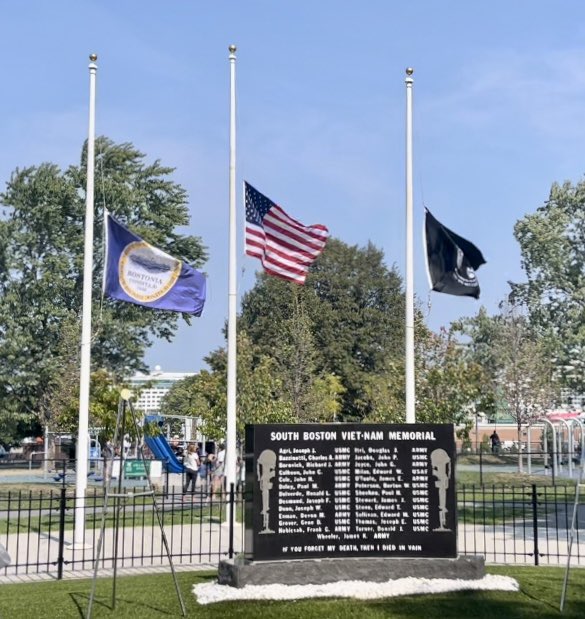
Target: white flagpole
(83, 436)
(231, 449)
(409, 322)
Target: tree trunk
(519, 443)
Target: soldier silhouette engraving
(441, 464)
(266, 470)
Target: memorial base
(239, 573)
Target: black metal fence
(37, 529)
(529, 524)
(523, 525)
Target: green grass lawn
(515, 479)
(154, 596)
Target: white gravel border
(209, 593)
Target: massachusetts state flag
(137, 272)
(286, 247)
(451, 260)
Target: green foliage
(383, 395)
(552, 242)
(348, 321)
(259, 391)
(516, 361)
(103, 406)
(526, 374)
(295, 354)
(182, 399)
(325, 400)
(449, 384)
(151, 428)
(41, 272)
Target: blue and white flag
(137, 272)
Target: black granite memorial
(359, 491)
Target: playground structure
(56, 454)
(567, 446)
(162, 451)
(161, 448)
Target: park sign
(350, 490)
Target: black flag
(451, 260)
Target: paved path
(202, 546)
(190, 545)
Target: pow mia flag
(451, 260)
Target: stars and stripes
(286, 247)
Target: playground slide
(162, 451)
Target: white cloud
(542, 92)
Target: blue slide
(162, 451)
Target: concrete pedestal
(238, 573)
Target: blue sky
(499, 115)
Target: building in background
(151, 388)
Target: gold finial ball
(93, 57)
(232, 49)
(409, 71)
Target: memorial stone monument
(330, 502)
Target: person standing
(191, 464)
(127, 443)
(495, 439)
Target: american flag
(286, 247)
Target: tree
(103, 408)
(353, 308)
(525, 375)
(384, 395)
(517, 362)
(259, 392)
(181, 399)
(314, 396)
(552, 242)
(449, 384)
(41, 268)
(59, 404)
(325, 401)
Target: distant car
(3, 452)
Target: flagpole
(84, 378)
(409, 321)
(231, 451)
